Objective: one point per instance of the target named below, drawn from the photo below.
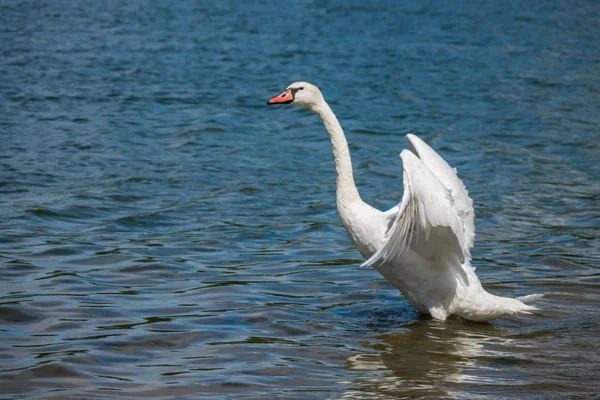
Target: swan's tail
(518, 306)
(530, 297)
(491, 307)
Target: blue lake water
(164, 234)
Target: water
(164, 234)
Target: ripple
(16, 315)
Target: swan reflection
(431, 358)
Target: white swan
(422, 246)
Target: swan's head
(301, 93)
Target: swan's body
(422, 246)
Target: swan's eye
(301, 88)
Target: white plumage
(422, 246)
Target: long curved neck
(347, 192)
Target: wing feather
(426, 204)
(448, 177)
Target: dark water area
(165, 235)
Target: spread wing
(448, 177)
(435, 217)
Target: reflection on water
(460, 359)
(428, 357)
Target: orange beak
(284, 98)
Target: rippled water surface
(164, 234)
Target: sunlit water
(164, 234)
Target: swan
(422, 245)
